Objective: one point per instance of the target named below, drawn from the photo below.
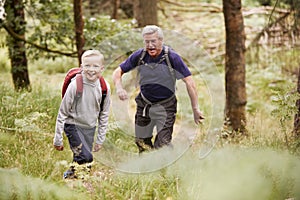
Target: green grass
(15, 185)
(262, 166)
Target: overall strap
(141, 61)
(164, 57)
(169, 63)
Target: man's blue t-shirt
(155, 79)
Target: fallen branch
(194, 7)
(208, 7)
(266, 10)
(267, 28)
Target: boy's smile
(92, 68)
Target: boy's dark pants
(81, 142)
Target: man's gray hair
(150, 29)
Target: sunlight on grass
(239, 173)
(263, 165)
(16, 186)
(253, 167)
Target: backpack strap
(79, 84)
(104, 91)
(70, 75)
(79, 89)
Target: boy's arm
(103, 118)
(64, 108)
(58, 138)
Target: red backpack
(79, 82)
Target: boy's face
(92, 67)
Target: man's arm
(192, 91)
(117, 79)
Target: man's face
(153, 44)
(92, 67)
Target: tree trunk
(17, 48)
(79, 24)
(116, 5)
(235, 85)
(145, 12)
(297, 116)
(94, 6)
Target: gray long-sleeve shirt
(84, 112)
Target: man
(156, 102)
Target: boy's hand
(59, 148)
(97, 147)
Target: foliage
(268, 174)
(118, 137)
(49, 66)
(101, 28)
(285, 103)
(159, 185)
(27, 123)
(22, 110)
(4, 63)
(14, 185)
(27, 120)
(50, 25)
(285, 110)
(263, 160)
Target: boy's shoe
(70, 173)
(84, 170)
(78, 171)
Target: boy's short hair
(92, 52)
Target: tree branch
(194, 7)
(261, 33)
(209, 7)
(16, 36)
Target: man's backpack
(79, 82)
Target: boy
(78, 117)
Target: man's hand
(117, 79)
(97, 147)
(122, 94)
(198, 116)
(59, 148)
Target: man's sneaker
(142, 146)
